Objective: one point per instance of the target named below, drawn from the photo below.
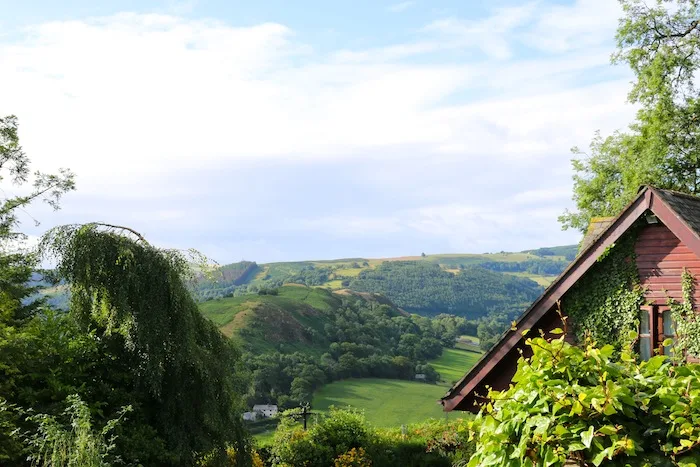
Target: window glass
(669, 332)
(645, 348)
(668, 324)
(644, 322)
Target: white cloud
(129, 100)
(491, 35)
(151, 93)
(400, 7)
(586, 23)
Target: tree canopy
(133, 373)
(661, 44)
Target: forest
(428, 289)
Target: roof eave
(551, 295)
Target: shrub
(343, 438)
(586, 407)
(77, 444)
(353, 458)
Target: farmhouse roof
(679, 212)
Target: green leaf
(587, 437)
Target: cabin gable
(665, 227)
(661, 258)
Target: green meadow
(390, 402)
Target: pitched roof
(678, 211)
(597, 226)
(685, 205)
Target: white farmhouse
(265, 410)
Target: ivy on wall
(685, 319)
(604, 303)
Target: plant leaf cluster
(583, 406)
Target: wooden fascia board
(550, 297)
(674, 222)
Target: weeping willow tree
(188, 371)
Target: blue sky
(278, 130)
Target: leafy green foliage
(426, 288)
(186, 369)
(490, 330)
(661, 43)
(75, 445)
(332, 438)
(587, 407)
(686, 319)
(604, 303)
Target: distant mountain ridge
(466, 284)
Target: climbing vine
(604, 303)
(686, 321)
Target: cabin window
(655, 326)
(645, 334)
(668, 331)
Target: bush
(588, 407)
(343, 438)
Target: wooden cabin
(666, 226)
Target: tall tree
(186, 374)
(661, 44)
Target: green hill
(297, 338)
(378, 275)
(292, 319)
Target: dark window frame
(655, 334)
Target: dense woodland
(427, 288)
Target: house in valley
(265, 410)
(633, 271)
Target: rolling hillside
(296, 339)
(462, 297)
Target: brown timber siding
(661, 257)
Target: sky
(276, 130)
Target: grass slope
(264, 323)
(454, 363)
(388, 402)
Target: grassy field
(544, 281)
(388, 402)
(454, 363)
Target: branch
(121, 227)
